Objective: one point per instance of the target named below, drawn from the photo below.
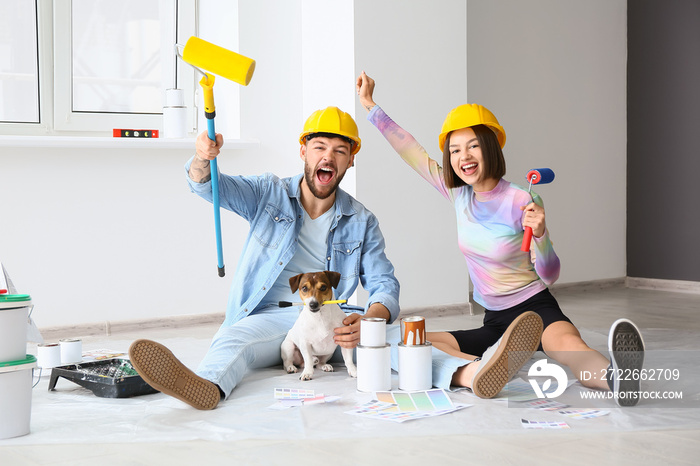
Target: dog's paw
(306, 375)
(352, 370)
(327, 368)
(291, 369)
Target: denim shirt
(273, 208)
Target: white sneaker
(626, 347)
(503, 359)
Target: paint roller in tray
(203, 55)
(535, 176)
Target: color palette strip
(293, 394)
(584, 413)
(546, 405)
(543, 424)
(405, 406)
(429, 400)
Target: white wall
(114, 234)
(554, 72)
(408, 50)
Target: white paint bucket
(14, 315)
(16, 396)
(373, 368)
(415, 367)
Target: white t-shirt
(310, 256)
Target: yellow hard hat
(335, 121)
(468, 115)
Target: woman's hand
(533, 217)
(365, 89)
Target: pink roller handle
(527, 239)
(535, 176)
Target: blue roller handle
(215, 199)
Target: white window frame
(45, 60)
(54, 53)
(65, 119)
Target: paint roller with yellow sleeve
(203, 55)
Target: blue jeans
(254, 343)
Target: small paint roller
(203, 55)
(535, 176)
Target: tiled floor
(69, 427)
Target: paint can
(415, 367)
(16, 396)
(48, 355)
(14, 315)
(373, 368)
(413, 330)
(372, 331)
(71, 351)
(174, 114)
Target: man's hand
(349, 336)
(206, 150)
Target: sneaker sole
(159, 367)
(626, 348)
(520, 341)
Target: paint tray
(109, 378)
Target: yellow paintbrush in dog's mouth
(290, 304)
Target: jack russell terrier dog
(310, 340)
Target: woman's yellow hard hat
(468, 115)
(335, 121)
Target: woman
(491, 216)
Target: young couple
(307, 223)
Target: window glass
(19, 75)
(116, 56)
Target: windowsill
(107, 143)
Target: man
(300, 224)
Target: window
(111, 64)
(19, 69)
(114, 60)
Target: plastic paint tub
(16, 396)
(14, 314)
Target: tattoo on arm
(200, 172)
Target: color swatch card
(584, 413)
(546, 405)
(517, 390)
(402, 406)
(429, 400)
(293, 394)
(290, 397)
(543, 424)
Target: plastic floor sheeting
(74, 415)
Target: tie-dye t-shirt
(489, 228)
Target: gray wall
(554, 73)
(407, 50)
(663, 159)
